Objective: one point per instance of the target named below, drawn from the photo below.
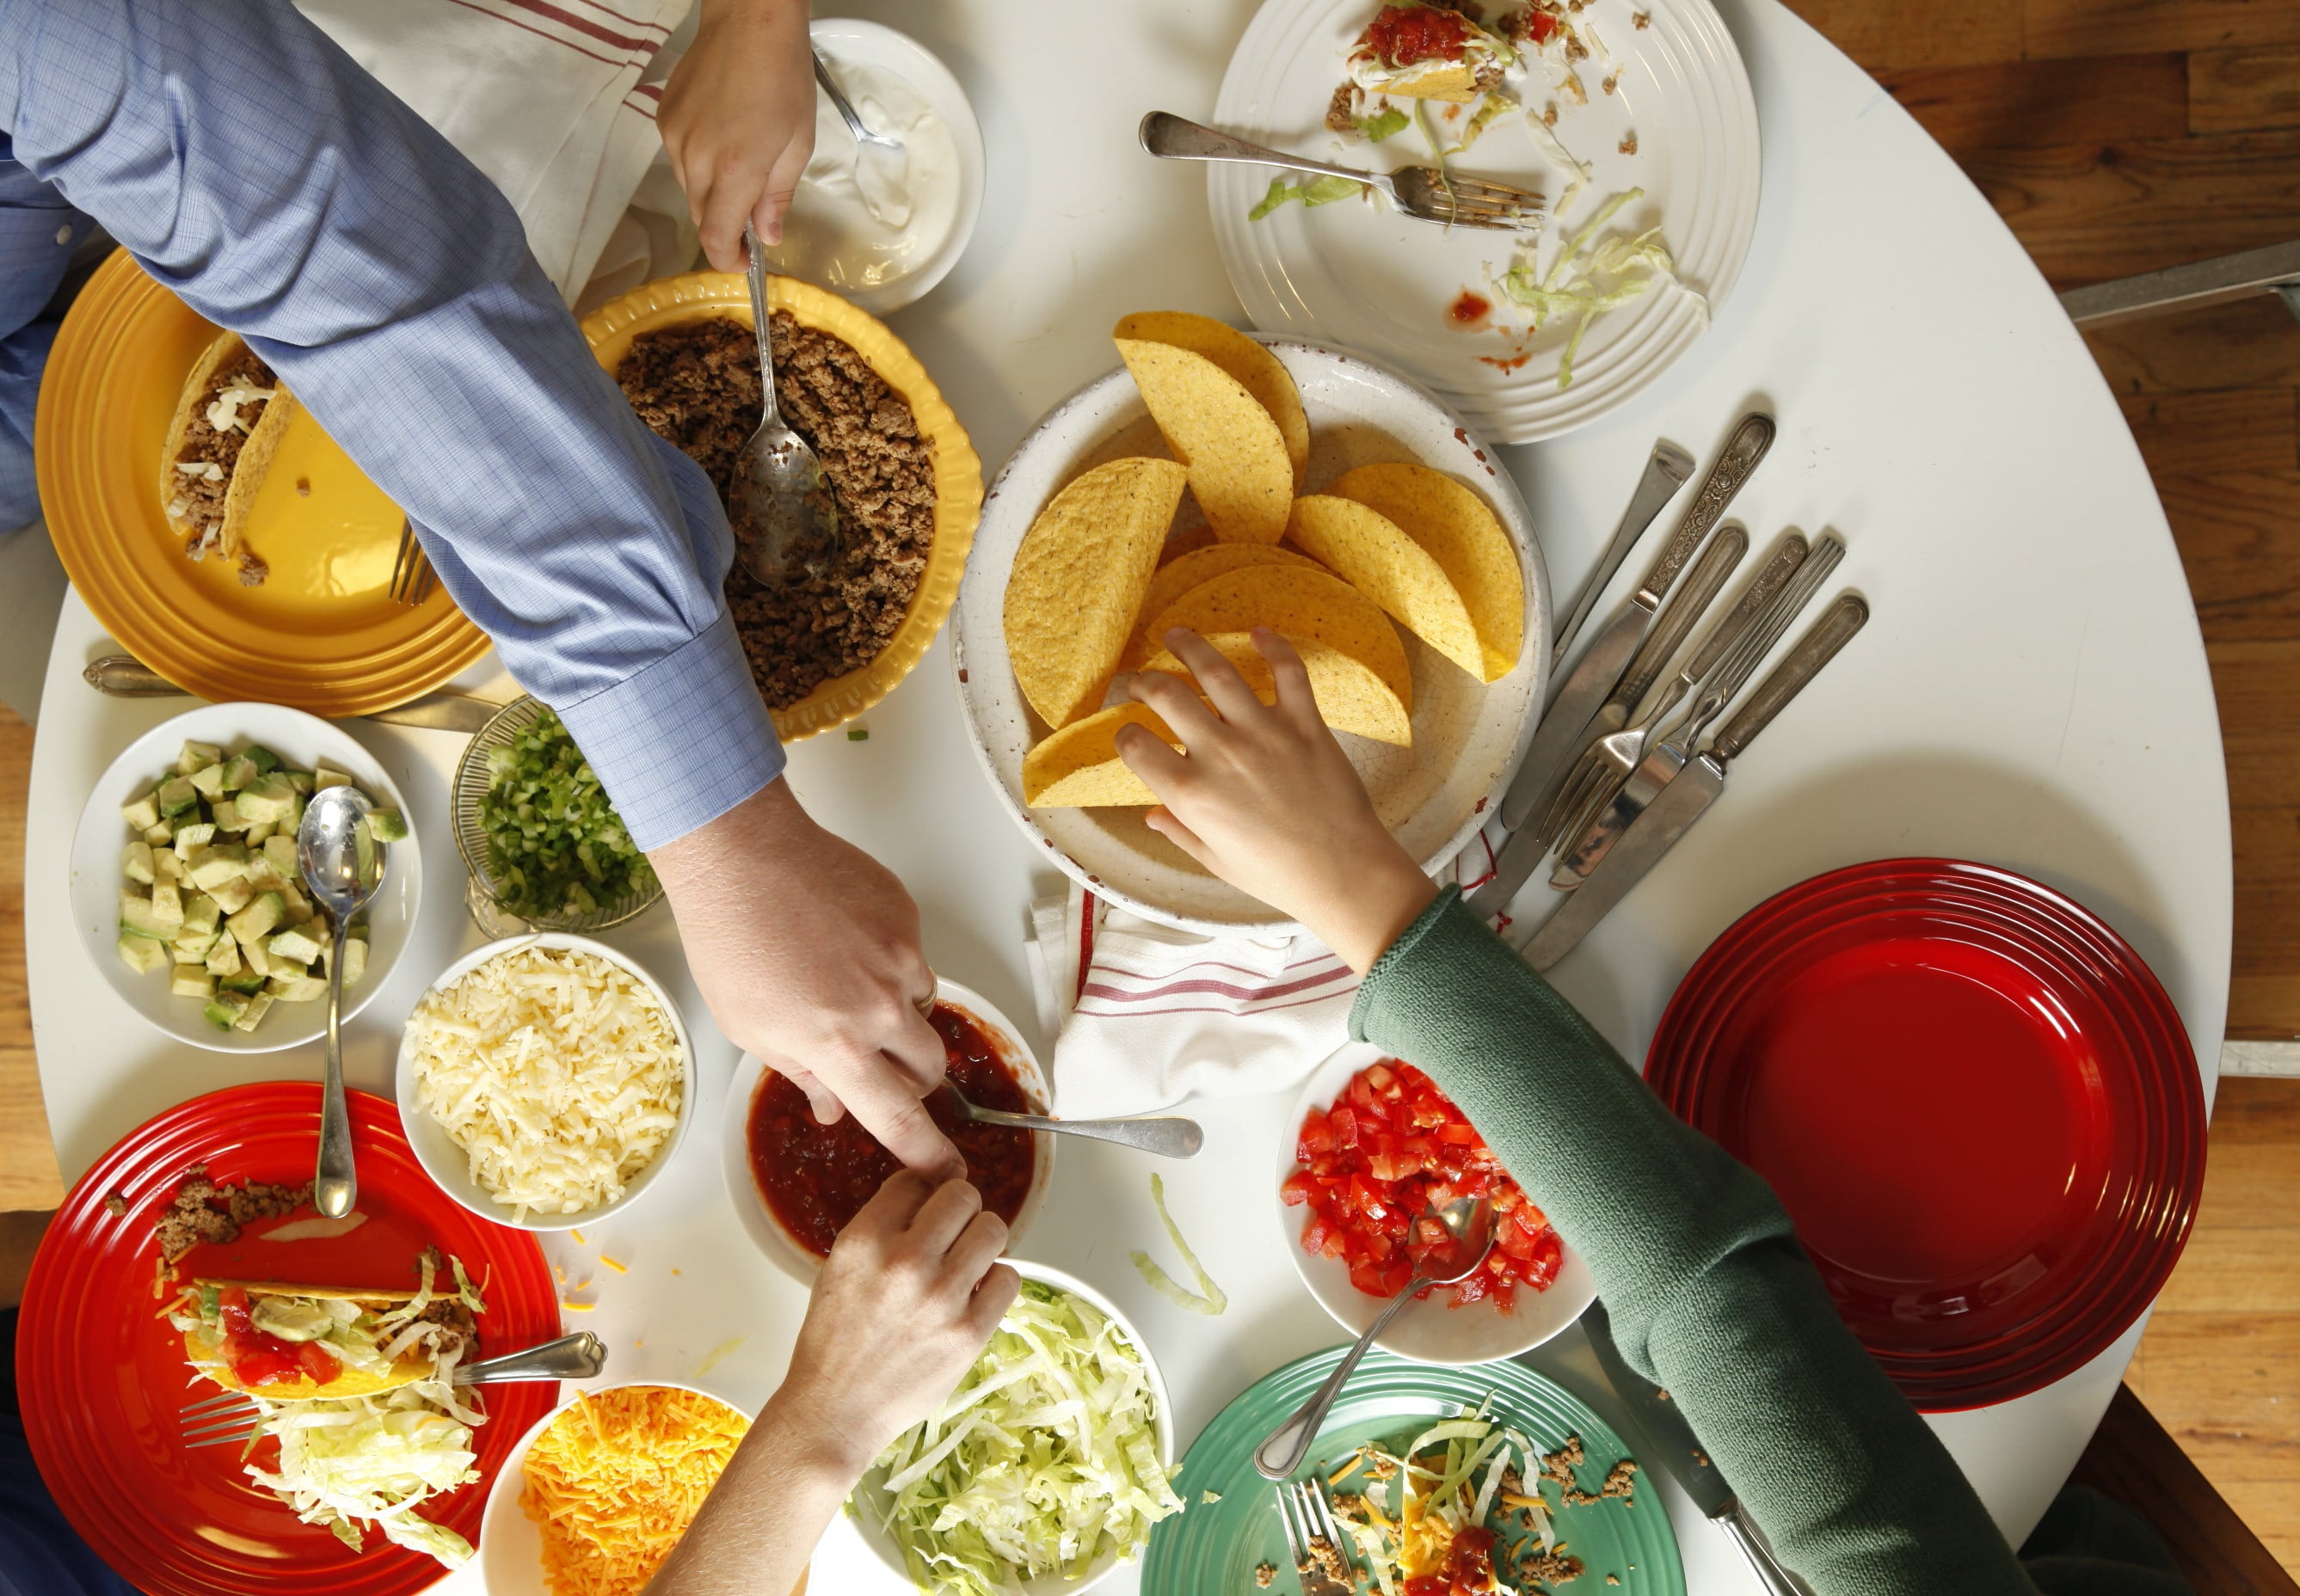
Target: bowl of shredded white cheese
(545, 1081)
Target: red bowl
(101, 1376)
(1975, 1101)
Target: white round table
(2031, 693)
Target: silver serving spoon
(845, 109)
(788, 521)
(343, 866)
(1469, 1222)
(1167, 1138)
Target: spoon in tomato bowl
(1452, 1241)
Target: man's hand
(807, 950)
(737, 119)
(1267, 800)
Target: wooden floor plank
(2232, 91)
(2052, 27)
(2245, 344)
(2238, 535)
(2094, 99)
(27, 1160)
(2090, 211)
(2239, 429)
(1885, 33)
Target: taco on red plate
(229, 421)
(287, 1343)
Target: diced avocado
(193, 947)
(200, 913)
(251, 1017)
(260, 757)
(239, 770)
(223, 1009)
(208, 781)
(136, 915)
(356, 958)
(323, 778)
(216, 864)
(266, 798)
(261, 877)
(299, 942)
(279, 853)
(259, 963)
(298, 989)
(192, 984)
(192, 755)
(260, 833)
(167, 867)
(224, 814)
(160, 836)
(294, 908)
(231, 896)
(188, 837)
(259, 919)
(136, 864)
(143, 955)
(293, 820)
(248, 980)
(387, 825)
(142, 813)
(168, 906)
(176, 794)
(223, 956)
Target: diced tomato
(1298, 1189)
(1345, 1123)
(1380, 1077)
(1460, 1133)
(1538, 26)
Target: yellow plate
(700, 295)
(323, 633)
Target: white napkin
(554, 101)
(1145, 1016)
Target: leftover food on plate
(229, 421)
(555, 844)
(212, 891)
(1428, 52)
(557, 1073)
(1044, 1460)
(815, 1177)
(696, 385)
(205, 1211)
(613, 1481)
(1389, 1147)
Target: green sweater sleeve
(1697, 1264)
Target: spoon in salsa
(1171, 1138)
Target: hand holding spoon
(342, 866)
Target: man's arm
(37, 233)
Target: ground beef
(697, 386)
(205, 1211)
(200, 501)
(1341, 111)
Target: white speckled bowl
(1468, 735)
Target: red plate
(101, 1377)
(1975, 1102)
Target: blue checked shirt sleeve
(251, 166)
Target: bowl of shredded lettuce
(1045, 1468)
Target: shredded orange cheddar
(614, 1481)
(577, 1234)
(612, 1264)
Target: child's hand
(737, 119)
(1267, 800)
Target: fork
(1590, 774)
(1624, 750)
(1308, 1518)
(1424, 192)
(411, 572)
(226, 1418)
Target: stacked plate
(1975, 1102)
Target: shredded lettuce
(1383, 123)
(1587, 279)
(1319, 191)
(1045, 1458)
(1489, 110)
(346, 1460)
(1210, 1299)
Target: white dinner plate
(1468, 735)
(1362, 274)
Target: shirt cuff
(682, 742)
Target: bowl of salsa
(795, 1183)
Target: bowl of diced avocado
(187, 891)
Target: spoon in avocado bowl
(342, 865)
(785, 515)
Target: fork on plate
(411, 572)
(1314, 1539)
(1425, 193)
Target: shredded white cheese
(206, 470)
(223, 411)
(557, 1072)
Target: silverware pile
(1610, 789)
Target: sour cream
(857, 224)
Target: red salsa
(816, 1178)
(1389, 1147)
(1470, 308)
(257, 1358)
(1469, 1569)
(1404, 35)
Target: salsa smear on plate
(815, 1177)
(1391, 1145)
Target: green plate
(1211, 1548)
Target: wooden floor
(2114, 137)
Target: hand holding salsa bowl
(1383, 1140)
(796, 1182)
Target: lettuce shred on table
(1585, 280)
(1045, 1458)
(375, 1458)
(1319, 191)
(1209, 1299)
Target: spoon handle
(576, 1357)
(1280, 1455)
(839, 101)
(1173, 1138)
(757, 276)
(334, 1187)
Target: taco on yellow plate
(229, 421)
(287, 1343)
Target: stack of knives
(1610, 790)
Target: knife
(1670, 628)
(1671, 1443)
(1666, 470)
(1686, 799)
(121, 676)
(1559, 740)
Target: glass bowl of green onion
(544, 845)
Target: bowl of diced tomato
(1370, 1144)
